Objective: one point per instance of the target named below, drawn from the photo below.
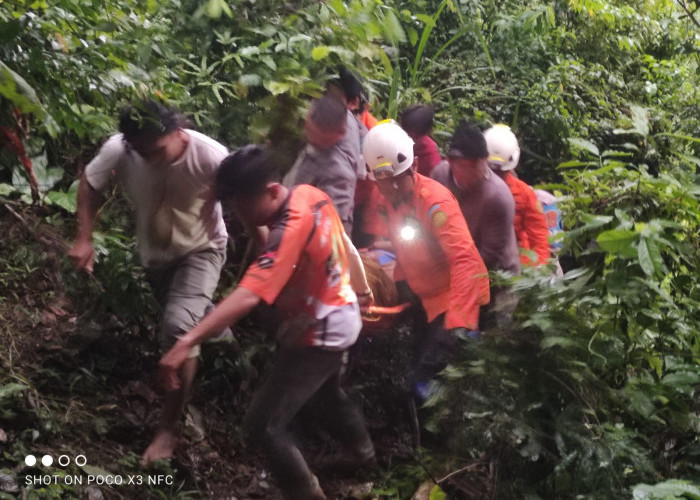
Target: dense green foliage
(593, 392)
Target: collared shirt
(440, 263)
(334, 170)
(176, 208)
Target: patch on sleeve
(439, 217)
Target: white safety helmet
(388, 150)
(502, 144)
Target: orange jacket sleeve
(368, 120)
(469, 282)
(530, 222)
(535, 225)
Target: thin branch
(459, 471)
(691, 15)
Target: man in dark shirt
(487, 206)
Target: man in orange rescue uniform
(530, 224)
(306, 270)
(434, 250)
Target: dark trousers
(435, 347)
(297, 375)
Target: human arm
(535, 224)
(98, 175)
(496, 237)
(469, 283)
(357, 274)
(229, 311)
(82, 253)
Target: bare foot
(162, 446)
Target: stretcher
(378, 319)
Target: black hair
(351, 83)
(417, 119)
(149, 119)
(328, 113)
(469, 141)
(246, 172)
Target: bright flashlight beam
(408, 233)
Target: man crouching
(308, 269)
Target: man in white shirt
(167, 172)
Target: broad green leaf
(427, 20)
(388, 67)
(626, 131)
(640, 119)
(277, 88)
(65, 199)
(551, 19)
(690, 379)
(214, 8)
(668, 490)
(656, 364)
(320, 52)
(585, 145)
(18, 91)
(392, 29)
(269, 62)
(640, 403)
(11, 389)
(565, 342)
(573, 164)
(437, 494)
(250, 80)
(644, 258)
(680, 136)
(412, 36)
(227, 10)
(339, 7)
(249, 51)
(618, 241)
(6, 189)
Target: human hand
(466, 334)
(82, 254)
(170, 364)
(365, 300)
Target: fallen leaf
(8, 484)
(94, 493)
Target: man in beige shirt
(167, 172)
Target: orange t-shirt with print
(303, 269)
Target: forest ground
(85, 385)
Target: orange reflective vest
(440, 263)
(530, 223)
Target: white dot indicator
(47, 460)
(30, 460)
